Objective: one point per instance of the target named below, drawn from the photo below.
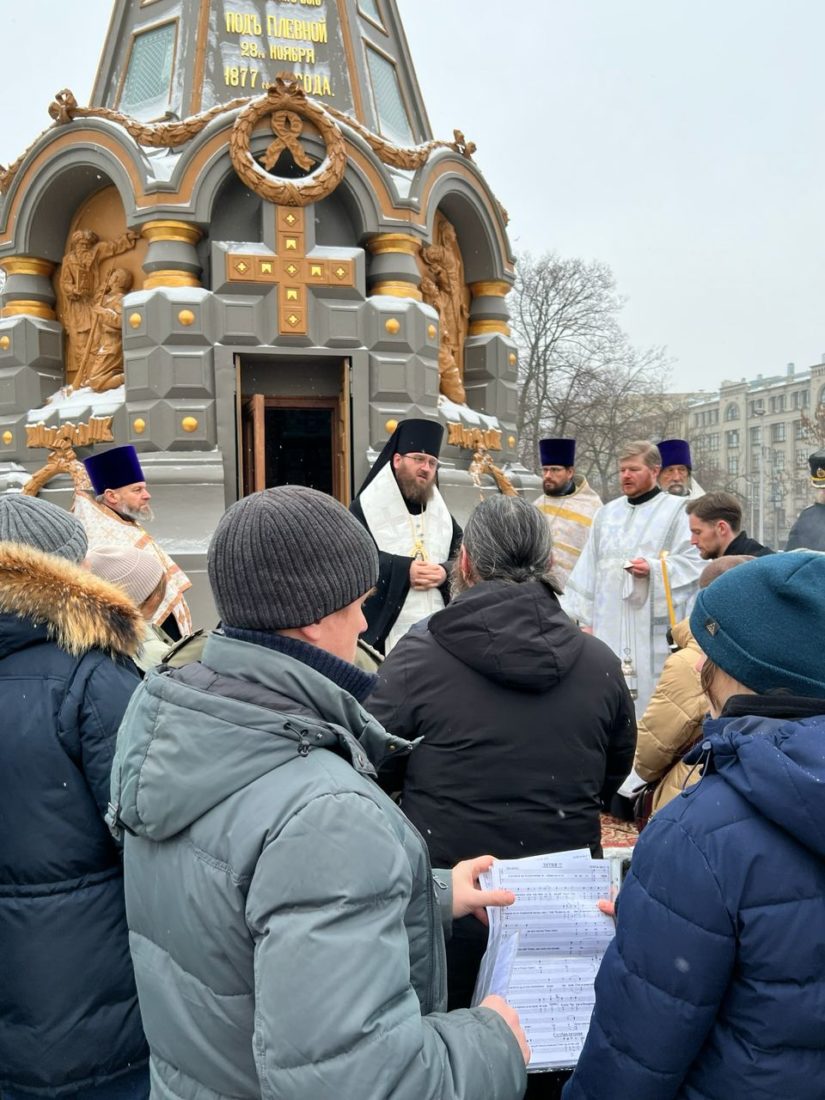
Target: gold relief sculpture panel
(443, 287)
(101, 367)
(98, 245)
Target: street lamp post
(761, 536)
(762, 493)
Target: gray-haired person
(529, 724)
(284, 923)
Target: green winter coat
(284, 924)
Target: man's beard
(413, 490)
(139, 515)
(678, 490)
(560, 492)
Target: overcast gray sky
(679, 143)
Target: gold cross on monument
(290, 269)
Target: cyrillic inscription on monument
(257, 40)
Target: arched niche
(477, 237)
(45, 197)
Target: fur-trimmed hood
(78, 610)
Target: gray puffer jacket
(284, 926)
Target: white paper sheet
(544, 951)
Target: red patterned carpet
(618, 834)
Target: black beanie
(287, 557)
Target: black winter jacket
(744, 544)
(68, 1009)
(808, 532)
(527, 723)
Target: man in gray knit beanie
(44, 526)
(286, 558)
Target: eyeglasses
(423, 460)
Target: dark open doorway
(298, 438)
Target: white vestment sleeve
(580, 590)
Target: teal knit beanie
(763, 621)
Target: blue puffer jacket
(68, 1008)
(714, 987)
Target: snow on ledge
(464, 414)
(67, 401)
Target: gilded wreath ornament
(289, 109)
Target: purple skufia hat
(557, 452)
(675, 452)
(114, 468)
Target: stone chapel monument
(248, 257)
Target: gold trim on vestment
(576, 517)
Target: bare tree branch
(579, 373)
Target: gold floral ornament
(462, 146)
(283, 98)
(287, 98)
(158, 135)
(62, 459)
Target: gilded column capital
(28, 307)
(488, 326)
(396, 288)
(490, 288)
(170, 277)
(169, 230)
(393, 269)
(394, 242)
(27, 265)
(488, 311)
(28, 289)
(171, 259)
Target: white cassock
(631, 614)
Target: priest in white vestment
(638, 573)
(417, 538)
(114, 518)
(567, 502)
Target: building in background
(753, 437)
